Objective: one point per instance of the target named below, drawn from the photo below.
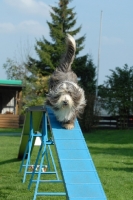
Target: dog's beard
(64, 108)
(67, 101)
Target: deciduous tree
(117, 90)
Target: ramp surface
(80, 176)
(37, 117)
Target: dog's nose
(65, 102)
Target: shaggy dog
(65, 97)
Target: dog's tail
(67, 59)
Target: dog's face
(61, 97)
(66, 94)
(65, 101)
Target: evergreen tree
(86, 72)
(49, 53)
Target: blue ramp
(79, 174)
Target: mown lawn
(112, 153)
(10, 130)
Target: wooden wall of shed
(9, 121)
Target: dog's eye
(57, 97)
(70, 93)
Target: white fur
(83, 101)
(70, 38)
(63, 114)
(71, 83)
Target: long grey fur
(67, 59)
(64, 81)
(63, 71)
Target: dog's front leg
(68, 125)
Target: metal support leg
(27, 153)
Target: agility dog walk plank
(37, 117)
(79, 174)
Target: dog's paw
(68, 126)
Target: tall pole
(98, 63)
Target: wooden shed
(10, 103)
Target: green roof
(11, 82)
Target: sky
(22, 22)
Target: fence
(114, 122)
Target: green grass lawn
(112, 153)
(10, 130)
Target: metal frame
(44, 149)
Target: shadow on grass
(112, 151)
(10, 134)
(128, 163)
(118, 169)
(9, 161)
(4, 194)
